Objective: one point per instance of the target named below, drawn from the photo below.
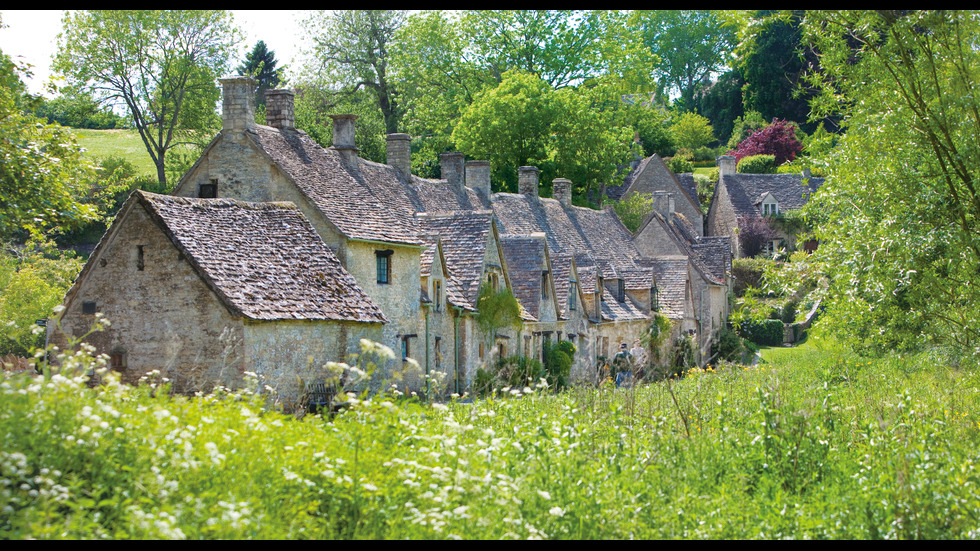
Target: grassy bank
(819, 444)
(127, 144)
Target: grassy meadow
(816, 444)
(124, 143)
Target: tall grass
(818, 445)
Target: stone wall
(163, 317)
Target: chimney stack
(663, 203)
(527, 181)
(237, 103)
(726, 166)
(452, 168)
(343, 135)
(399, 149)
(478, 177)
(279, 111)
(561, 189)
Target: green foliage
(42, 173)
(33, 279)
(633, 208)
(162, 65)
(728, 347)
(745, 126)
(77, 109)
(766, 333)
(679, 165)
(496, 309)
(691, 131)
(757, 164)
(817, 444)
(901, 236)
(261, 64)
(558, 359)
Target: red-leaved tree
(779, 139)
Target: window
(621, 290)
(405, 347)
(437, 291)
(481, 351)
(501, 350)
(438, 354)
(770, 209)
(383, 260)
(544, 285)
(208, 191)
(572, 294)
(494, 281)
(654, 299)
(117, 359)
(139, 258)
(88, 307)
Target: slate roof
(561, 268)
(747, 190)
(671, 274)
(526, 259)
(464, 236)
(708, 258)
(264, 260)
(656, 171)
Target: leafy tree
(754, 235)
(721, 103)
(509, 125)
(162, 65)
(777, 139)
(350, 49)
(261, 64)
(692, 131)
(691, 45)
(633, 209)
(744, 126)
(901, 237)
(42, 173)
(78, 109)
(757, 164)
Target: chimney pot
(237, 103)
(399, 150)
(279, 110)
(452, 168)
(527, 180)
(561, 189)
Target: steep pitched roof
(464, 236)
(708, 259)
(527, 259)
(747, 190)
(655, 176)
(671, 274)
(264, 260)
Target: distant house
(651, 175)
(753, 196)
(203, 290)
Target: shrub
(558, 363)
(754, 234)
(765, 333)
(728, 347)
(757, 164)
(748, 272)
(679, 165)
(778, 139)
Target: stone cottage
(203, 290)
(415, 251)
(753, 196)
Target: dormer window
(437, 292)
(621, 290)
(572, 292)
(770, 209)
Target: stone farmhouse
(746, 196)
(274, 254)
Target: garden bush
(757, 164)
(766, 333)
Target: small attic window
(621, 290)
(544, 285)
(139, 258)
(383, 262)
(88, 307)
(209, 190)
(770, 209)
(572, 292)
(654, 299)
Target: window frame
(382, 259)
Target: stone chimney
(561, 189)
(726, 165)
(279, 109)
(663, 203)
(452, 168)
(478, 177)
(343, 135)
(399, 147)
(237, 103)
(527, 181)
